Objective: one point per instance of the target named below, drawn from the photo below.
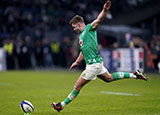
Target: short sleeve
(90, 28)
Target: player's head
(77, 23)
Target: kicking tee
(89, 46)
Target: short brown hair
(76, 19)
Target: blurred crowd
(24, 24)
(45, 53)
(35, 17)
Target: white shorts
(91, 71)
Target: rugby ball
(26, 106)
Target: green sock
(70, 97)
(121, 75)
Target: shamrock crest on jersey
(80, 42)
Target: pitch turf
(43, 87)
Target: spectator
(47, 56)
(38, 53)
(9, 48)
(55, 49)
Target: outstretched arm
(78, 60)
(102, 14)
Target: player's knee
(109, 78)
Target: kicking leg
(78, 85)
(137, 74)
(107, 77)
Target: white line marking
(143, 114)
(5, 84)
(119, 93)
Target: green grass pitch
(43, 87)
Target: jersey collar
(82, 30)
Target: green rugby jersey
(89, 46)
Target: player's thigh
(91, 71)
(80, 83)
(105, 75)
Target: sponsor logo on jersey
(94, 60)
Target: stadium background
(36, 34)
(35, 37)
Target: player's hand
(74, 65)
(107, 5)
